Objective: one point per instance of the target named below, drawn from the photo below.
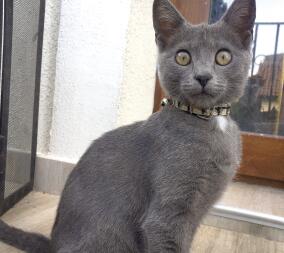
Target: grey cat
(145, 187)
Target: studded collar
(206, 114)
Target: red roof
(265, 73)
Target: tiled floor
(36, 213)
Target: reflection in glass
(261, 109)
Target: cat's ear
(241, 16)
(166, 19)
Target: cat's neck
(204, 113)
(185, 121)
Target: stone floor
(36, 213)
(254, 197)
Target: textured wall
(48, 72)
(137, 90)
(98, 72)
(89, 65)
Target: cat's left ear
(166, 20)
(241, 17)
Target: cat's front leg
(167, 230)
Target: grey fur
(145, 187)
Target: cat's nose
(203, 79)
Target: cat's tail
(28, 242)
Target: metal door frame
(7, 12)
(7, 18)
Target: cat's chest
(222, 123)
(225, 143)
(219, 142)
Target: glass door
(260, 112)
(6, 13)
(22, 38)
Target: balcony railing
(261, 109)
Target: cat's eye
(223, 57)
(183, 58)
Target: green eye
(183, 58)
(223, 57)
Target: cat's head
(204, 65)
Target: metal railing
(278, 26)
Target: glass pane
(23, 70)
(261, 109)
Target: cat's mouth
(195, 90)
(202, 94)
(205, 93)
(201, 98)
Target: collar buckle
(209, 112)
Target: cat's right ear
(167, 20)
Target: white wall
(137, 90)
(48, 73)
(104, 73)
(89, 71)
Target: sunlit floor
(254, 197)
(36, 213)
